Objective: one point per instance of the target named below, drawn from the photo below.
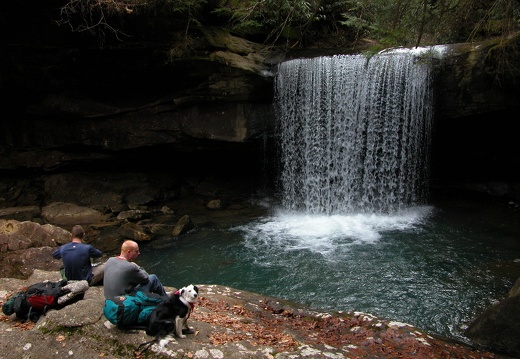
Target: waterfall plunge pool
(435, 267)
(355, 136)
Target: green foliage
(191, 9)
(308, 22)
(425, 22)
(273, 18)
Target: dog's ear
(196, 289)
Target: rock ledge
(229, 323)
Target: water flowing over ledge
(354, 132)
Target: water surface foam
(326, 234)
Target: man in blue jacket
(76, 257)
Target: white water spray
(355, 133)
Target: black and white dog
(172, 315)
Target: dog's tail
(146, 345)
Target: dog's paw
(163, 343)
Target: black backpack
(35, 301)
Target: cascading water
(355, 133)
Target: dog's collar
(191, 305)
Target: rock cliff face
(69, 104)
(477, 99)
(207, 108)
(476, 79)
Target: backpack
(131, 311)
(44, 295)
(38, 299)
(13, 304)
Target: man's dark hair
(78, 232)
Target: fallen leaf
(60, 338)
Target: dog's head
(190, 293)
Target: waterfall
(354, 132)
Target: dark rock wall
(477, 148)
(476, 116)
(72, 105)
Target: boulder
(160, 229)
(106, 237)
(22, 263)
(215, 204)
(142, 196)
(498, 328)
(515, 291)
(24, 213)
(25, 246)
(183, 225)
(69, 214)
(15, 235)
(58, 234)
(83, 189)
(133, 215)
(135, 232)
(13, 242)
(90, 312)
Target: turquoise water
(434, 267)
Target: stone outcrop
(134, 232)
(221, 93)
(15, 235)
(477, 103)
(23, 213)
(26, 246)
(183, 225)
(472, 79)
(69, 214)
(498, 328)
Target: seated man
(122, 276)
(76, 257)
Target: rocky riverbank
(36, 215)
(229, 323)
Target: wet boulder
(498, 328)
(135, 232)
(183, 225)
